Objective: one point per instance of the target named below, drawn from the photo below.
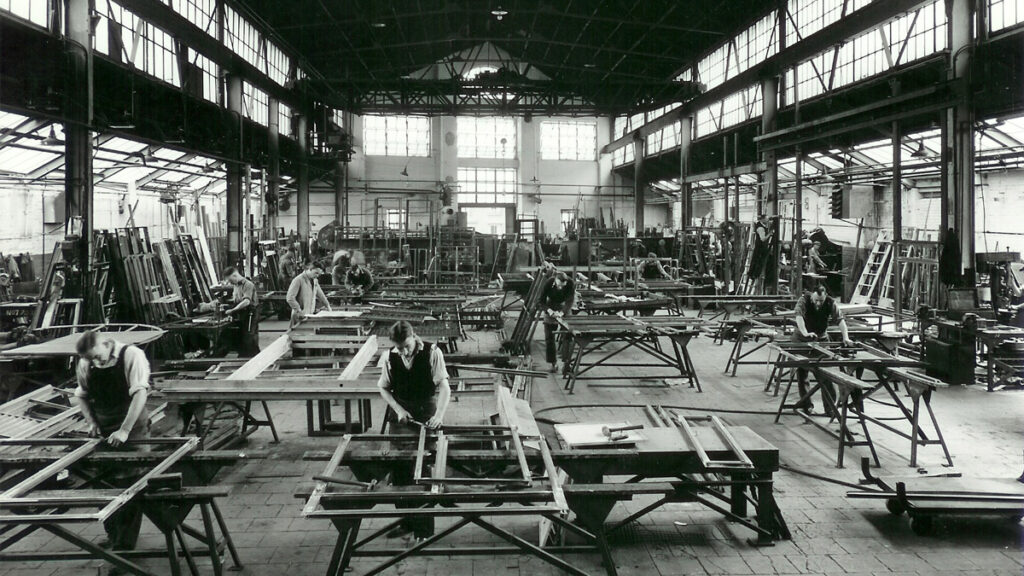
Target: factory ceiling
(513, 56)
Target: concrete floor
(831, 534)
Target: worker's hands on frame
(94, 431)
(848, 343)
(402, 415)
(117, 438)
(435, 422)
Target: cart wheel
(921, 525)
(894, 507)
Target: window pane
(487, 186)
(487, 137)
(568, 140)
(396, 136)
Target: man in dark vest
(557, 300)
(246, 336)
(113, 384)
(414, 384)
(814, 312)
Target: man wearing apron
(113, 384)
(246, 324)
(814, 312)
(414, 384)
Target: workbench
(188, 331)
(844, 369)
(723, 467)
(37, 502)
(726, 306)
(1000, 363)
(590, 335)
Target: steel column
(769, 204)
(78, 144)
(340, 175)
(685, 189)
(897, 222)
(273, 166)
(798, 224)
(639, 149)
(302, 197)
(960, 131)
(235, 175)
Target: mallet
(334, 480)
(616, 433)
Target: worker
(557, 301)
(414, 385)
(651, 269)
(339, 266)
(663, 249)
(304, 292)
(814, 262)
(358, 279)
(113, 385)
(814, 312)
(246, 337)
(637, 248)
(286, 268)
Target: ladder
(876, 262)
(887, 295)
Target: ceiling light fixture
(405, 170)
(590, 65)
(379, 24)
(51, 138)
(920, 152)
(499, 13)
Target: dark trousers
(123, 526)
(555, 346)
(421, 526)
(802, 385)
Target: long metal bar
(321, 487)
(48, 472)
(189, 445)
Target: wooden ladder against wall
(877, 261)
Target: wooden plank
(45, 474)
(263, 360)
(360, 360)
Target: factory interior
(526, 287)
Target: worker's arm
(571, 300)
(81, 397)
(384, 384)
(137, 370)
(135, 409)
(321, 296)
(842, 325)
(817, 259)
(801, 327)
(439, 373)
(663, 272)
(292, 298)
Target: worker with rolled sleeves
(242, 311)
(815, 311)
(113, 385)
(414, 384)
(304, 292)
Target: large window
(487, 186)
(396, 136)
(35, 11)
(487, 137)
(134, 41)
(395, 219)
(1004, 13)
(568, 140)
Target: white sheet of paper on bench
(591, 435)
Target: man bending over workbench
(414, 384)
(113, 384)
(814, 312)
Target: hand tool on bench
(617, 433)
(368, 486)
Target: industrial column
(78, 185)
(340, 193)
(770, 193)
(236, 177)
(959, 204)
(638, 184)
(302, 196)
(273, 166)
(897, 223)
(798, 224)
(685, 190)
